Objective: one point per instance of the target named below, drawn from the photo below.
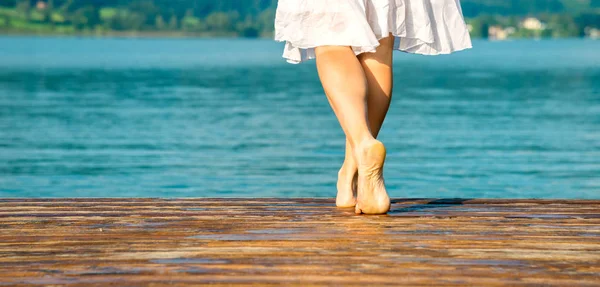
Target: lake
(86, 117)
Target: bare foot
(346, 187)
(372, 196)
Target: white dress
(428, 27)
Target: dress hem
(370, 48)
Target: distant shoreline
(184, 35)
(131, 34)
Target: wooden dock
(298, 242)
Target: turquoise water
(228, 117)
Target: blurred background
(191, 98)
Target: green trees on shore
(553, 25)
(250, 18)
(254, 18)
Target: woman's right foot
(346, 187)
(372, 196)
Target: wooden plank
(298, 242)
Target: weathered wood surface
(302, 242)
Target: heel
(377, 151)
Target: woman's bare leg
(378, 71)
(345, 85)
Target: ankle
(365, 142)
(348, 169)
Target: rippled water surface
(220, 117)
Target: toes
(357, 209)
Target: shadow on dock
(428, 204)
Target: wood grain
(298, 242)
